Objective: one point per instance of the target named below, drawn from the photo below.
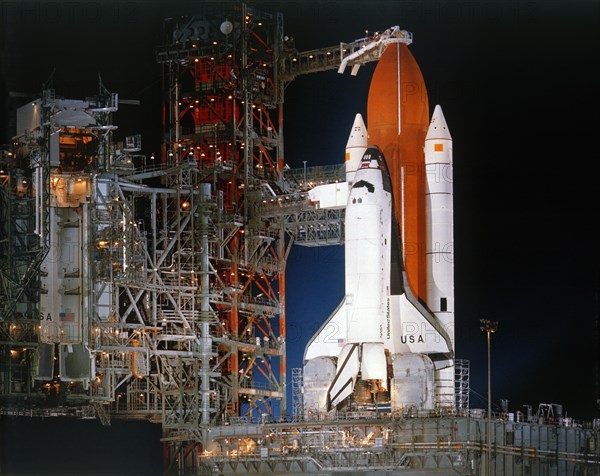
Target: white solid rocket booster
(440, 241)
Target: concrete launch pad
(356, 444)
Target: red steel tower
(222, 114)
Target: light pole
(489, 327)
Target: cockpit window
(364, 183)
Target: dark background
(516, 83)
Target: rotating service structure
(143, 286)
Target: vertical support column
(282, 320)
(205, 309)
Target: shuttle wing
(331, 336)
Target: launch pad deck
(399, 445)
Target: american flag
(66, 317)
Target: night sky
(516, 85)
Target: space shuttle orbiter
(385, 344)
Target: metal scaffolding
(462, 383)
(297, 394)
(223, 114)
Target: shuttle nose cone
(358, 133)
(438, 129)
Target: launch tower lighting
(489, 327)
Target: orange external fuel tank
(397, 122)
